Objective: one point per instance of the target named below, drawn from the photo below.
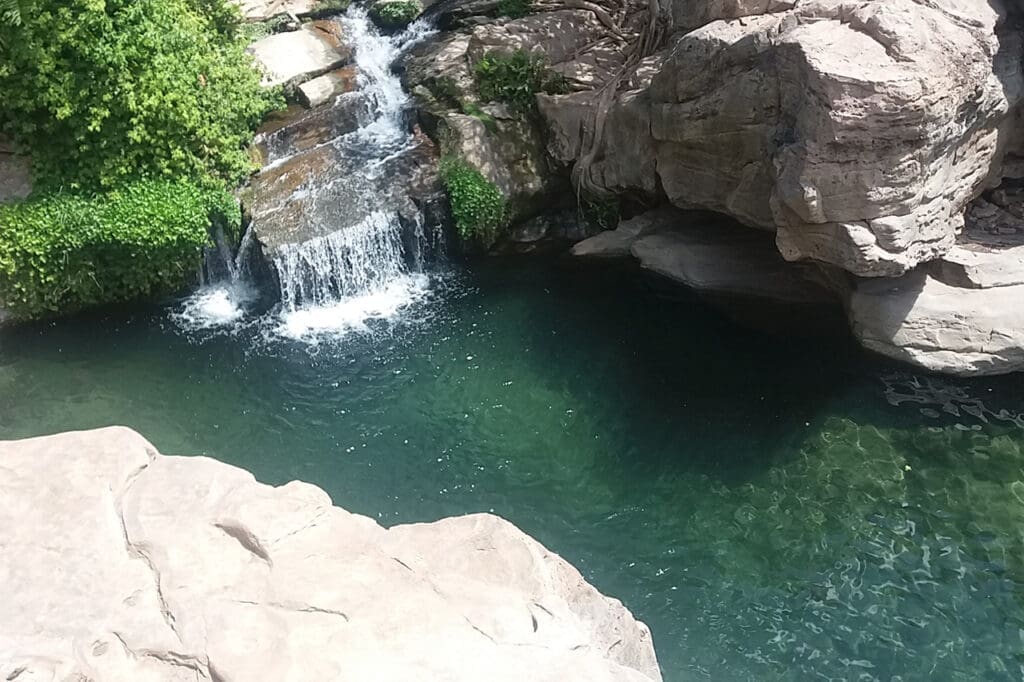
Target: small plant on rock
(478, 206)
(515, 79)
(514, 9)
(395, 15)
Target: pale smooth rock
(921, 320)
(292, 57)
(323, 89)
(733, 262)
(618, 243)
(261, 10)
(118, 563)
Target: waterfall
(370, 267)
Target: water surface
(773, 507)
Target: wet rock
(293, 57)
(323, 89)
(122, 564)
(333, 185)
(618, 243)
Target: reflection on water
(775, 508)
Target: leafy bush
(478, 206)
(395, 14)
(513, 9)
(65, 252)
(106, 91)
(601, 213)
(515, 79)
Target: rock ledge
(119, 563)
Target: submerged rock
(122, 564)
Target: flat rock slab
(735, 262)
(261, 10)
(118, 563)
(323, 89)
(919, 319)
(293, 57)
(618, 243)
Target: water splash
(367, 264)
(380, 88)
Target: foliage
(473, 109)
(251, 31)
(515, 79)
(106, 91)
(478, 206)
(12, 11)
(601, 213)
(327, 7)
(64, 252)
(514, 9)
(395, 14)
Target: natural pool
(773, 507)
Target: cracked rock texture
(854, 135)
(857, 130)
(118, 563)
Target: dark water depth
(775, 508)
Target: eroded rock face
(858, 130)
(121, 564)
(708, 254)
(919, 319)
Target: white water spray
(336, 283)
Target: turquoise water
(773, 507)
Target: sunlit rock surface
(296, 56)
(119, 563)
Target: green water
(773, 507)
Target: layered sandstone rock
(859, 131)
(122, 564)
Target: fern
(11, 12)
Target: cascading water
(362, 244)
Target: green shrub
(395, 14)
(515, 79)
(513, 9)
(478, 206)
(104, 91)
(65, 252)
(601, 213)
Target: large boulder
(119, 563)
(962, 314)
(859, 131)
(919, 319)
(293, 57)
